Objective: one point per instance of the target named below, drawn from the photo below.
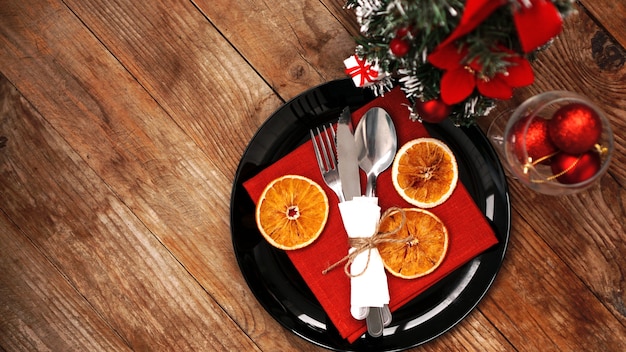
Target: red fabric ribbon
(537, 24)
(536, 21)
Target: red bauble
(538, 143)
(575, 128)
(579, 167)
(399, 47)
(433, 111)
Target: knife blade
(347, 156)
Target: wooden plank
(612, 15)
(590, 242)
(207, 68)
(344, 15)
(560, 312)
(40, 310)
(140, 151)
(188, 67)
(293, 44)
(474, 333)
(101, 248)
(134, 146)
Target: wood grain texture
(104, 251)
(345, 16)
(188, 101)
(139, 151)
(121, 127)
(124, 144)
(190, 73)
(45, 312)
(560, 313)
(294, 44)
(474, 333)
(611, 15)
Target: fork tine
(324, 148)
(327, 149)
(330, 140)
(318, 156)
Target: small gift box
(362, 72)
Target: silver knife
(347, 156)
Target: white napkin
(360, 219)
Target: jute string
(362, 244)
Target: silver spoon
(377, 142)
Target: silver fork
(325, 152)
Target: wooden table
(121, 127)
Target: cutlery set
(371, 146)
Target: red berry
(403, 32)
(399, 47)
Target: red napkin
(469, 232)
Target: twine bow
(362, 244)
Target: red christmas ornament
(433, 111)
(575, 128)
(399, 47)
(570, 168)
(537, 142)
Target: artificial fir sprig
(400, 37)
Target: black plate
(278, 286)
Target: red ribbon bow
(536, 21)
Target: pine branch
(427, 23)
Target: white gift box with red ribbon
(362, 72)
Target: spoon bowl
(377, 143)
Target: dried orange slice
(292, 212)
(423, 251)
(425, 172)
